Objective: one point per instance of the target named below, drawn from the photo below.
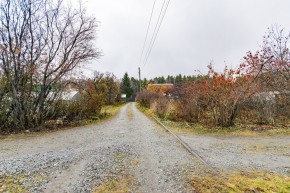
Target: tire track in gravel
(161, 157)
(147, 172)
(64, 180)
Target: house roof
(70, 95)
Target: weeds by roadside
(12, 183)
(120, 185)
(237, 130)
(249, 182)
(18, 183)
(106, 113)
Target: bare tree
(271, 66)
(41, 42)
(277, 72)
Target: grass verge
(237, 130)
(253, 182)
(106, 113)
(148, 112)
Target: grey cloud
(192, 34)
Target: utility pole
(139, 72)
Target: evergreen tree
(161, 80)
(178, 78)
(126, 86)
(145, 83)
(135, 84)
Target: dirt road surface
(79, 159)
(132, 149)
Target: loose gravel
(81, 159)
(234, 154)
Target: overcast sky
(192, 34)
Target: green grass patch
(241, 183)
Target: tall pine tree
(126, 86)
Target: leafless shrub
(146, 98)
(161, 106)
(41, 43)
(192, 101)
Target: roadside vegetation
(251, 99)
(43, 46)
(18, 183)
(236, 130)
(12, 184)
(120, 185)
(240, 183)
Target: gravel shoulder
(233, 154)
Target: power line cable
(86, 68)
(149, 24)
(156, 33)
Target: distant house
(165, 89)
(70, 95)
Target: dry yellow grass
(18, 183)
(240, 183)
(12, 184)
(239, 130)
(120, 185)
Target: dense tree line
(132, 85)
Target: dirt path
(77, 160)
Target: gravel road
(79, 159)
(231, 154)
(130, 146)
